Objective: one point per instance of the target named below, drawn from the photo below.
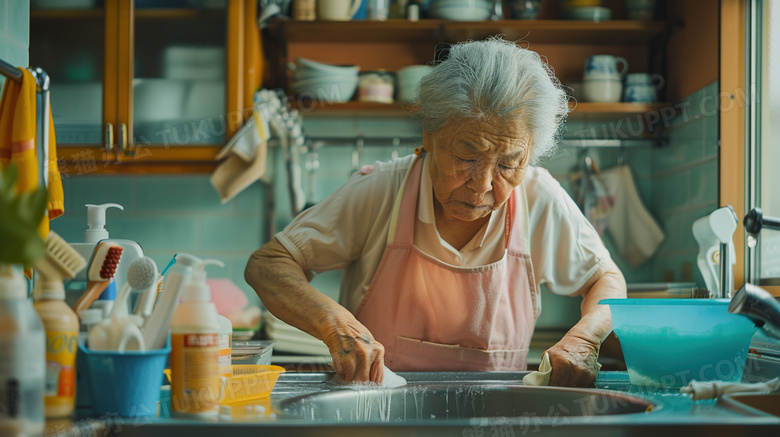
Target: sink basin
(441, 402)
(753, 405)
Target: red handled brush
(101, 270)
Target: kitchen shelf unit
(284, 36)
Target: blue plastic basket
(671, 342)
(126, 383)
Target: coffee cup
(602, 90)
(640, 93)
(605, 67)
(337, 10)
(654, 80)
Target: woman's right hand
(357, 356)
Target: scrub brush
(62, 261)
(102, 268)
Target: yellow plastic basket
(249, 382)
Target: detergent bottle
(196, 384)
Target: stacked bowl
(408, 79)
(324, 82)
(460, 10)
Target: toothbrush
(101, 270)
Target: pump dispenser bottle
(195, 378)
(96, 232)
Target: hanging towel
(634, 230)
(246, 159)
(595, 201)
(18, 131)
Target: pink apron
(430, 315)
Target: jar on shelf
(376, 86)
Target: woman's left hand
(574, 362)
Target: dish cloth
(18, 131)
(713, 389)
(541, 376)
(391, 380)
(635, 232)
(246, 159)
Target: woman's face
(476, 165)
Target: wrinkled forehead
(489, 137)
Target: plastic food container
(671, 342)
(253, 352)
(248, 383)
(376, 86)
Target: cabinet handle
(109, 137)
(127, 150)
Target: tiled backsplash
(166, 214)
(14, 33)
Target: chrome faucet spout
(759, 306)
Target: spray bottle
(195, 378)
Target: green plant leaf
(20, 215)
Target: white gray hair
(495, 78)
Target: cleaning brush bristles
(63, 256)
(105, 261)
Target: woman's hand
(357, 356)
(574, 362)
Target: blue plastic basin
(671, 342)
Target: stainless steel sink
(753, 404)
(441, 402)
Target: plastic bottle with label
(22, 362)
(61, 325)
(195, 330)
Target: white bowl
(333, 89)
(602, 91)
(460, 10)
(205, 98)
(307, 74)
(591, 13)
(307, 64)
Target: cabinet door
(183, 72)
(70, 45)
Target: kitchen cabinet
(141, 86)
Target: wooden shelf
(152, 13)
(67, 14)
(593, 110)
(623, 32)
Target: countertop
(673, 414)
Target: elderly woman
(444, 251)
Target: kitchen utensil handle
(109, 137)
(127, 149)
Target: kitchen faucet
(751, 300)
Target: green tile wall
(14, 33)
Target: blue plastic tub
(671, 342)
(126, 383)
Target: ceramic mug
(605, 67)
(640, 93)
(337, 10)
(602, 90)
(654, 80)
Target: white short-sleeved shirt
(348, 230)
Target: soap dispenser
(96, 232)
(195, 328)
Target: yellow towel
(17, 143)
